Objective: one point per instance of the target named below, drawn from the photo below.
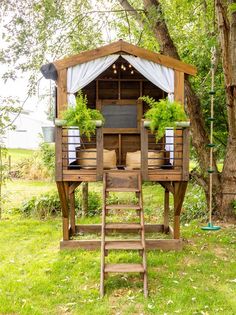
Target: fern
(82, 116)
(163, 114)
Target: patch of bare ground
(189, 261)
(121, 308)
(220, 252)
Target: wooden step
(124, 268)
(123, 244)
(123, 207)
(122, 189)
(123, 226)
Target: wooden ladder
(123, 181)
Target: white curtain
(161, 76)
(77, 78)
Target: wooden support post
(144, 152)
(176, 226)
(179, 193)
(58, 150)
(166, 210)
(85, 199)
(62, 190)
(72, 211)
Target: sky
(18, 88)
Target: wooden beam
(179, 193)
(61, 186)
(88, 55)
(144, 152)
(58, 153)
(61, 92)
(166, 210)
(180, 189)
(96, 228)
(85, 199)
(73, 186)
(151, 244)
(168, 186)
(72, 212)
(179, 87)
(186, 153)
(100, 146)
(122, 46)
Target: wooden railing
(171, 165)
(175, 150)
(70, 154)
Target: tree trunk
(227, 36)
(224, 185)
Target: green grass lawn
(37, 278)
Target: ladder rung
(132, 245)
(124, 268)
(123, 207)
(122, 189)
(123, 226)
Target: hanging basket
(48, 134)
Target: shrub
(234, 206)
(39, 166)
(32, 168)
(194, 206)
(94, 203)
(47, 154)
(48, 204)
(42, 206)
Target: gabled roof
(124, 47)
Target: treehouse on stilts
(114, 77)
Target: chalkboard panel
(120, 116)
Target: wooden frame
(122, 46)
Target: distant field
(19, 154)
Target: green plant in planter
(163, 114)
(82, 116)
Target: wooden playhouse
(114, 77)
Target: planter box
(62, 122)
(183, 124)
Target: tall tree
(224, 183)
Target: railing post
(99, 145)
(186, 146)
(144, 151)
(58, 154)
